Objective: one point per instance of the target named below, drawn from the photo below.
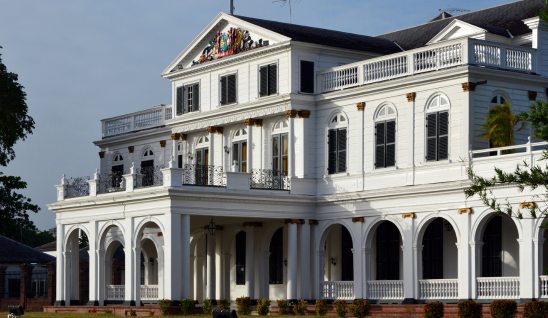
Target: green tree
(524, 176)
(15, 125)
(500, 125)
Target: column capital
(468, 86)
(360, 106)
(258, 122)
(130, 149)
(294, 221)
(313, 222)
(249, 121)
(408, 215)
(303, 113)
(252, 224)
(465, 210)
(175, 136)
(291, 113)
(532, 95)
(411, 96)
(101, 154)
(358, 219)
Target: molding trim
(527, 205)
(465, 210)
(360, 106)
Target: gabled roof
(13, 252)
(326, 37)
(498, 20)
(457, 29)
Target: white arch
(484, 218)
(338, 119)
(385, 111)
(374, 224)
(436, 102)
(325, 228)
(425, 222)
(280, 126)
(239, 134)
(142, 223)
(69, 232)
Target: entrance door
(117, 172)
(239, 156)
(202, 163)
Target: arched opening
(275, 260)
(543, 258)
(240, 259)
(150, 241)
(112, 266)
(337, 264)
(77, 268)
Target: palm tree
(500, 125)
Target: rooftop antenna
(283, 3)
(231, 7)
(454, 10)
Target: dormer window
(228, 89)
(188, 98)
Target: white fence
(115, 292)
(149, 118)
(149, 292)
(337, 290)
(497, 287)
(438, 289)
(385, 289)
(544, 286)
(430, 58)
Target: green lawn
(76, 315)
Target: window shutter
(390, 143)
(187, 90)
(223, 90)
(379, 145)
(332, 151)
(195, 97)
(443, 135)
(179, 100)
(307, 77)
(431, 137)
(263, 81)
(341, 154)
(231, 98)
(272, 79)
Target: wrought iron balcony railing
(202, 175)
(149, 177)
(269, 179)
(76, 187)
(110, 182)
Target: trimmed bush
(535, 309)
(360, 308)
(503, 309)
(299, 308)
(263, 306)
(187, 306)
(223, 304)
(433, 309)
(244, 305)
(469, 309)
(133, 313)
(283, 306)
(206, 306)
(165, 306)
(321, 307)
(340, 307)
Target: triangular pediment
(457, 29)
(223, 37)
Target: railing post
(503, 57)
(93, 184)
(61, 189)
(172, 177)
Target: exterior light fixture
(227, 149)
(332, 260)
(211, 227)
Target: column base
(93, 303)
(129, 303)
(59, 303)
(409, 301)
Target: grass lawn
(76, 315)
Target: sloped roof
(497, 20)
(326, 37)
(13, 252)
(441, 16)
(51, 246)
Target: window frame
(267, 65)
(301, 76)
(437, 109)
(337, 123)
(184, 98)
(235, 74)
(385, 118)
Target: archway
(150, 241)
(112, 265)
(77, 268)
(276, 264)
(337, 263)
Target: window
(228, 89)
(336, 140)
(147, 168)
(188, 98)
(239, 151)
(437, 128)
(202, 161)
(491, 260)
(385, 137)
(179, 155)
(280, 148)
(498, 100)
(347, 257)
(275, 260)
(240, 258)
(307, 77)
(268, 80)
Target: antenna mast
(231, 7)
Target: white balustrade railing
(544, 286)
(497, 287)
(149, 292)
(430, 58)
(149, 118)
(438, 289)
(115, 292)
(337, 290)
(528, 147)
(385, 289)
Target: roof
(497, 20)
(13, 252)
(51, 246)
(326, 37)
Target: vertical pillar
(357, 256)
(26, 276)
(408, 262)
(475, 270)
(60, 266)
(250, 261)
(292, 260)
(466, 266)
(100, 276)
(172, 285)
(130, 263)
(185, 250)
(291, 114)
(319, 269)
(218, 269)
(249, 123)
(93, 264)
(50, 283)
(210, 267)
(526, 260)
(74, 286)
(366, 270)
(304, 248)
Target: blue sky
(81, 61)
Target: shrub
(263, 306)
(433, 310)
(321, 307)
(535, 309)
(503, 309)
(340, 307)
(360, 308)
(187, 306)
(223, 304)
(283, 306)
(165, 306)
(244, 305)
(206, 306)
(469, 309)
(133, 313)
(299, 308)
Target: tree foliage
(524, 176)
(500, 125)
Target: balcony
(150, 118)
(427, 59)
(497, 287)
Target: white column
(318, 266)
(250, 261)
(185, 251)
(60, 267)
(357, 257)
(73, 288)
(292, 260)
(93, 265)
(475, 269)
(172, 284)
(291, 150)
(218, 266)
(366, 270)
(466, 266)
(249, 149)
(526, 260)
(100, 258)
(304, 248)
(129, 264)
(210, 267)
(408, 262)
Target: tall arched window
(336, 143)
(280, 148)
(117, 170)
(437, 128)
(239, 150)
(275, 261)
(201, 156)
(240, 258)
(385, 136)
(147, 168)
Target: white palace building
(297, 162)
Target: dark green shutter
(443, 135)
(179, 100)
(341, 150)
(431, 136)
(390, 143)
(379, 144)
(231, 95)
(332, 151)
(272, 79)
(263, 81)
(195, 97)
(223, 90)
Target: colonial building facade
(297, 162)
